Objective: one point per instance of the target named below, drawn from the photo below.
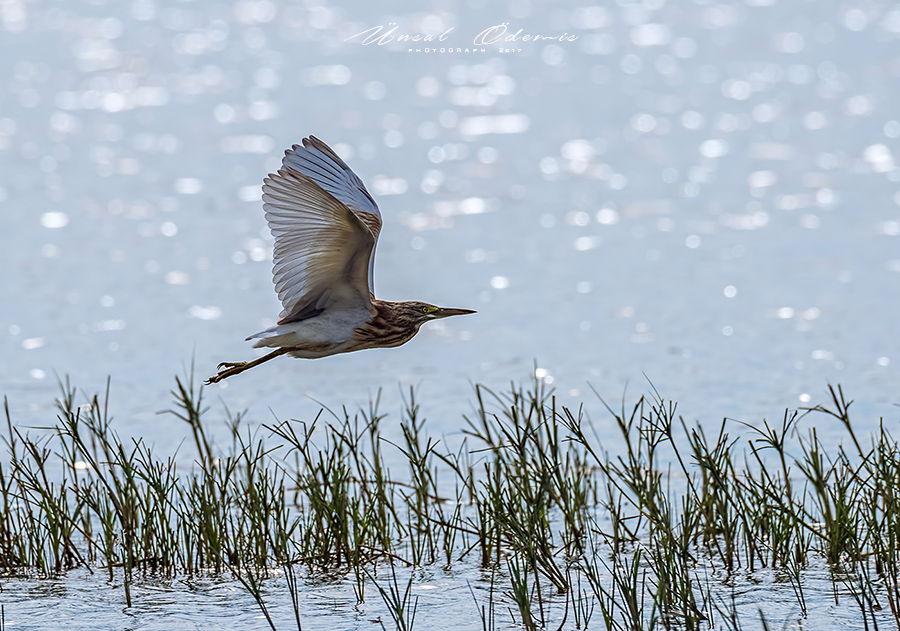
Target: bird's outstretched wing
(322, 165)
(322, 247)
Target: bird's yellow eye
(429, 309)
(425, 310)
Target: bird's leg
(228, 369)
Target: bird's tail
(275, 336)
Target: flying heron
(325, 225)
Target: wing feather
(322, 165)
(322, 249)
(317, 161)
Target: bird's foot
(226, 369)
(229, 365)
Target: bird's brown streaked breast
(381, 330)
(368, 336)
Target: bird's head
(422, 312)
(395, 323)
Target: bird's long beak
(446, 313)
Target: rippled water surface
(704, 193)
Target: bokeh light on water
(703, 193)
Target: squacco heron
(325, 225)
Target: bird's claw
(226, 369)
(229, 365)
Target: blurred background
(701, 194)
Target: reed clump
(648, 536)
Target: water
(705, 194)
(215, 604)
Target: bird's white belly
(326, 328)
(323, 335)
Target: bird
(326, 226)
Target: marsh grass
(401, 605)
(649, 537)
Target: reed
(657, 529)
